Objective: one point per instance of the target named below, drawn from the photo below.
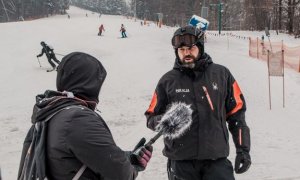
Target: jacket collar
(51, 101)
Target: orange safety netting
(259, 49)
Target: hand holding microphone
(174, 123)
(141, 155)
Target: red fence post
(283, 88)
(257, 48)
(270, 103)
(299, 64)
(250, 48)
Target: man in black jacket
(215, 98)
(76, 134)
(50, 55)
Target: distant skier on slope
(49, 51)
(123, 31)
(101, 29)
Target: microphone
(174, 123)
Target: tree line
(279, 15)
(112, 7)
(16, 10)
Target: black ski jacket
(215, 99)
(78, 136)
(48, 51)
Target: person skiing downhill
(123, 31)
(216, 100)
(76, 135)
(101, 29)
(49, 54)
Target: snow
(134, 66)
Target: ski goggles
(184, 40)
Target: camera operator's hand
(141, 155)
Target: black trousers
(54, 59)
(219, 169)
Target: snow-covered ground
(134, 66)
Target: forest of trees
(113, 7)
(16, 10)
(279, 15)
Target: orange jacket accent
(237, 97)
(153, 103)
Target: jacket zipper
(208, 98)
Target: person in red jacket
(123, 31)
(101, 29)
(216, 100)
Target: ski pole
(59, 54)
(39, 61)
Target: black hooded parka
(78, 135)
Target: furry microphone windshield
(175, 122)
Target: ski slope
(134, 66)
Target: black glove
(242, 162)
(141, 155)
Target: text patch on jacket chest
(182, 90)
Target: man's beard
(187, 64)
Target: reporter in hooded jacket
(76, 135)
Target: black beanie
(81, 74)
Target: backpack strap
(79, 173)
(83, 167)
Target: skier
(123, 31)
(101, 28)
(49, 51)
(216, 100)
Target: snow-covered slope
(134, 67)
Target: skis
(50, 70)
